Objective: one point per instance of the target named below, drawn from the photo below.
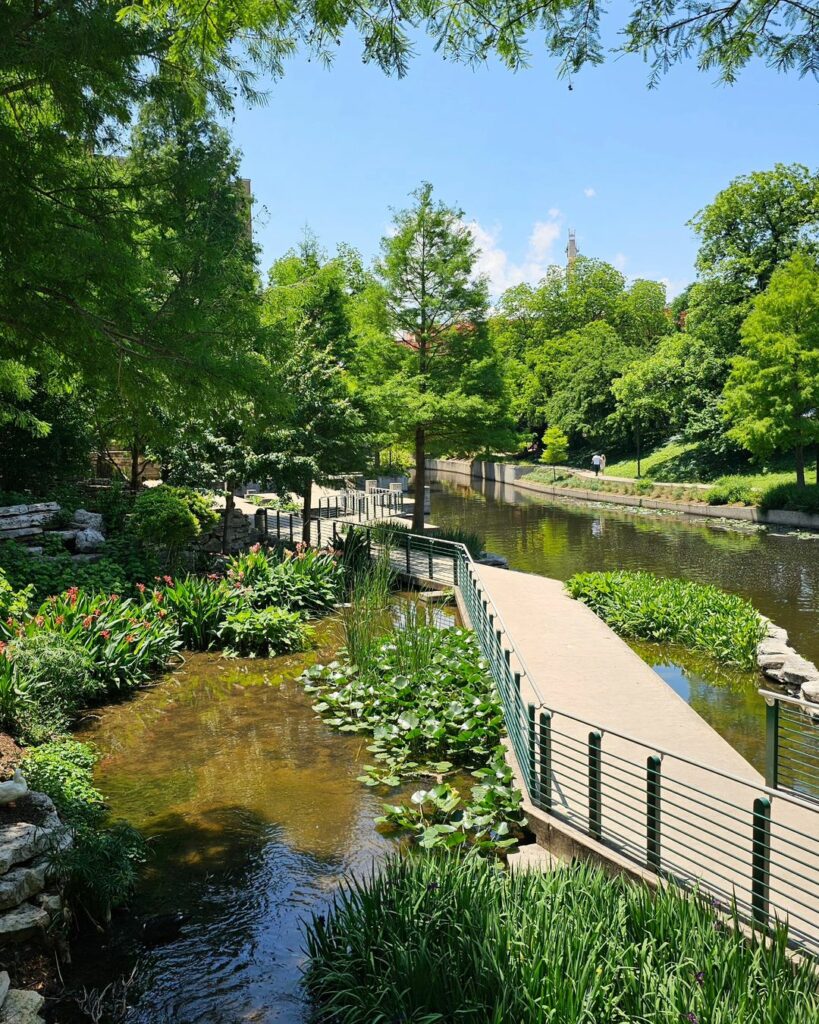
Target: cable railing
(741, 842)
(792, 744)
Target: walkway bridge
(613, 764)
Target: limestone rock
(89, 520)
(795, 671)
(496, 561)
(88, 540)
(810, 691)
(5, 984)
(21, 1007)
(773, 646)
(776, 632)
(22, 923)
(770, 662)
(21, 883)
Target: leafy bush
(264, 633)
(13, 603)
(123, 562)
(439, 939)
(305, 580)
(791, 498)
(196, 604)
(63, 770)
(171, 518)
(705, 618)
(732, 490)
(46, 679)
(98, 870)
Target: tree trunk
(135, 474)
(420, 482)
(377, 461)
(305, 512)
(800, 465)
(637, 432)
(230, 504)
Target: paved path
(589, 474)
(582, 669)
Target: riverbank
(521, 477)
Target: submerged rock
(162, 928)
(493, 560)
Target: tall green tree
(434, 366)
(772, 394)
(327, 428)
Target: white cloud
(502, 271)
(620, 261)
(672, 288)
(589, 192)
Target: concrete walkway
(581, 671)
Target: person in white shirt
(596, 463)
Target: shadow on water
(254, 815)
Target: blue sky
(521, 154)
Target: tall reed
(367, 618)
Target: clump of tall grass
(694, 615)
(436, 939)
(473, 541)
(367, 617)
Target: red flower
(39, 620)
(213, 575)
(105, 633)
(97, 612)
(72, 593)
(158, 597)
(2, 647)
(168, 580)
(86, 622)
(162, 613)
(59, 620)
(141, 587)
(130, 639)
(114, 598)
(255, 549)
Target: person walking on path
(596, 464)
(602, 464)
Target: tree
(645, 395)
(326, 427)
(434, 366)
(555, 448)
(772, 394)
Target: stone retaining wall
(512, 475)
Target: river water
(254, 814)
(778, 571)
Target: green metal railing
(792, 744)
(741, 842)
(362, 506)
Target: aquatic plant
(694, 615)
(438, 939)
(302, 579)
(366, 617)
(196, 604)
(265, 632)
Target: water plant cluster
(694, 615)
(425, 696)
(439, 939)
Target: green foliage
(123, 562)
(732, 490)
(791, 497)
(437, 939)
(772, 394)
(366, 617)
(264, 633)
(648, 607)
(471, 540)
(13, 603)
(303, 580)
(489, 821)
(64, 771)
(50, 679)
(429, 702)
(196, 605)
(171, 518)
(555, 447)
(98, 869)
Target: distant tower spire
(571, 250)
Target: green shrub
(648, 607)
(196, 604)
(98, 869)
(265, 632)
(14, 604)
(442, 939)
(791, 498)
(171, 518)
(305, 580)
(732, 490)
(50, 680)
(64, 771)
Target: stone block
(773, 646)
(810, 691)
(776, 632)
(89, 520)
(22, 923)
(21, 1007)
(796, 671)
(5, 985)
(88, 540)
(19, 884)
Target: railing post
(409, 567)
(431, 562)
(335, 536)
(278, 524)
(771, 742)
(455, 569)
(545, 752)
(318, 531)
(653, 796)
(291, 527)
(595, 784)
(369, 544)
(761, 860)
(532, 780)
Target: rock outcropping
(780, 662)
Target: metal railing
(378, 503)
(792, 744)
(741, 842)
